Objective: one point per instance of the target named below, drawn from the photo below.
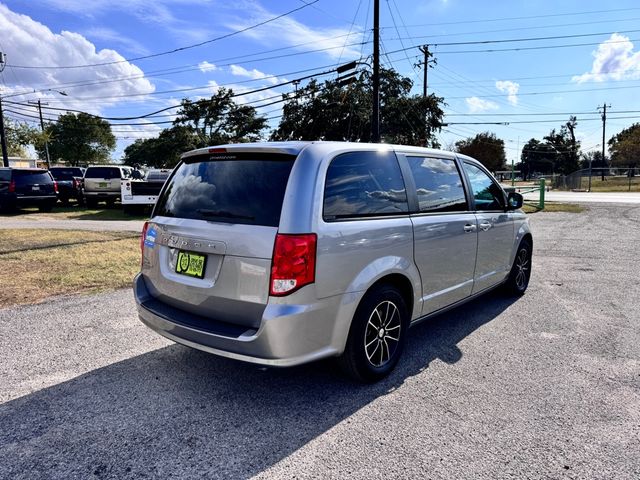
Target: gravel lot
(547, 386)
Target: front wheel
(518, 279)
(377, 335)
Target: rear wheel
(377, 335)
(520, 274)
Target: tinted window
(361, 184)
(438, 184)
(487, 194)
(156, 176)
(5, 175)
(31, 177)
(102, 172)
(65, 173)
(248, 191)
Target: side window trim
(411, 187)
(483, 169)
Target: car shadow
(179, 411)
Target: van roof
(295, 147)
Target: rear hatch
(209, 244)
(102, 179)
(33, 183)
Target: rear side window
(5, 175)
(487, 194)
(438, 184)
(247, 189)
(32, 177)
(157, 176)
(102, 172)
(364, 184)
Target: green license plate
(191, 264)
(102, 185)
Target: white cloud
(254, 74)
(32, 43)
(510, 88)
(614, 59)
(114, 37)
(290, 31)
(477, 105)
(207, 67)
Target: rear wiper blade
(222, 213)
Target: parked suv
(27, 187)
(102, 183)
(285, 253)
(70, 183)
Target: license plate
(191, 264)
(35, 187)
(102, 185)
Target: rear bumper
(288, 334)
(102, 194)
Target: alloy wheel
(382, 334)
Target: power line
(175, 50)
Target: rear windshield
(248, 189)
(102, 172)
(65, 173)
(157, 176)
(31, 177)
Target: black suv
(70, 183)
(27, 187)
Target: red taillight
(217, 150)
(294, 263)
(143, 237)
(12, 186)
(55, 186)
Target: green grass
(611, 184)
(555, 207)
(76, 212)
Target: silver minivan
(286, 253)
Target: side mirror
(514, 201)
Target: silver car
(286, 253)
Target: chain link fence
(602, 180)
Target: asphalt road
(546, 386)
(587, 197)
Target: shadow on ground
(178, 411)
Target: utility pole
(3, 139)
(46, 144)
(426, 63)
(604, 123)
(375, 114)
(3, 136)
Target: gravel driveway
(546, 386)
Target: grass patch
(37, 264)
(77, 213)
(610, 184)
(555, 207)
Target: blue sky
(597, 62)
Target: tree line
(329, 110)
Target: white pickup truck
(139, 194)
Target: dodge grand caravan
(285, 253)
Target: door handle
(469, 228)
(484, 226)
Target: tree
(220, 120)
(163, 151)
(334, 112)
(486, 148)
(624, 147)
(595, 159)
(559, 152)
(79, 139)
(19, 136)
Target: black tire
(364, 358)
(520, 274)
(46, 207)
